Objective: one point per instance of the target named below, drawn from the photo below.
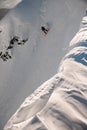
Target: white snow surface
(9, 3)
(61, 102)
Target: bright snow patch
(9, 3)
(54, 104)
(61, 102)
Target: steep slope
(61, 102)
(37, 60)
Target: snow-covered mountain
(36, 61)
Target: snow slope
(37, 60)
(61, 102)
(6, 6)
(8, 3)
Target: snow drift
(61, 102)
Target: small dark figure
(44, 29)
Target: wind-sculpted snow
(61, 102)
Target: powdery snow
(60, 103)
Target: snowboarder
(44, 29)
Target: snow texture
(61, 102)
(9, 3)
